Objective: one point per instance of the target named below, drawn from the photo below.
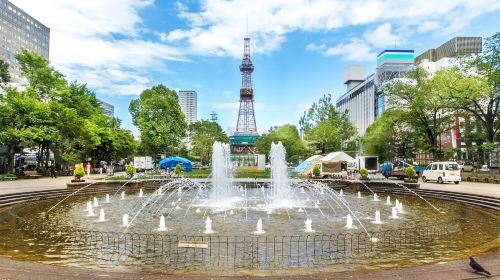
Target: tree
(421, 106)
(327, 129)
(158, 116)
(288, 134)
(474, 86)
(204, 133)
(4, 72)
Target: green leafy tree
(158, 116)
(420, 105)
(326, 128)
(288, 135)
(4, 72)
(178, 170)
(473, 87)
(79, 172)
(410, 172)
(204, 133)
(316, 171)
(130, 170)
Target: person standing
(87, 168)
(53, 171)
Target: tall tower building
(188, 102)
(245, 136)
(18, 31)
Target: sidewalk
(487, 189)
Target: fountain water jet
(125, 220)
(377, 217)
(96, 202)
(259, 229)
(375, 197)
(141, 194)
(280, 187)
(162, 226)
(222, 174)
(388, 200)
(101, 215)
(123, 195)
(359, 194)
(308, 224)
(90, 212)
(348, 221)
(394, 213)
(208, 226)
(107, 198)
(341, 192)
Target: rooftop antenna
(247, 26)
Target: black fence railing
(262, 252)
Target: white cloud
(218, 26)
(224, 106)
(381, 36)
(315, 48)
(100, 42)
(355, 50)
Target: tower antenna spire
(247, 27)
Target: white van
(442, 171)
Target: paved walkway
(465, 187)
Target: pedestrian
(87, 168)
(53, 171)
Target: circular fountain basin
(68, 236)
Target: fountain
(222, 176)
(348, 222)
(96, 202)
(101, 215)
(308, 224)
(400, 208)
(90, 212)
(259, 228)
(394, 213)
(341, 192)
(162, 226)
(208, 226)
(388, 200)
(300, 210)
(377, 217)
(125, 222)
(141, 194)
(375, 197)
(89, 206)
(123, 195)
(107, 198)
(359, 194)
(280, 187)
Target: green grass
(8, 177)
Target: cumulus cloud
(100, 42)
(355, 50)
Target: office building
(363, 101)
(18, 31)
(108, 108)
(188, 102)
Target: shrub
(130, 170)
(178, 169)
(79, 172)
(410, 172)
(363, 172)
(316, 171)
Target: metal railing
(216, 252)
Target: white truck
(368, 162)
(143, 163)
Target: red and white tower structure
(246, 116)
(245, 136)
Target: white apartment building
(188, 102)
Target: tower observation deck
(245, 136)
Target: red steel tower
(246, 116)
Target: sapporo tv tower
(245, 136)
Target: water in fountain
(348, 221)
(89, 206)
(341, 192)
(394, 213)
(141, 194)
(281, 193)
(388, 201)
(96, 202)
(222, 174)
(308, 224)
(107, 198)
(208, 226)
(259, 229)
(125, 222)
(359, 194)
(375, 197)
(400, 207)
(377, 217)
(101, 215)
(90, 212)
(123, 195)
(162, 226)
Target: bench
(31, 174)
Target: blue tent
(171, 162)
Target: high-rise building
(19, 30)
(108, 108)
(188, 102)
(363, 101)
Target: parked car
(443, 171)
(484, 168)
(465, 166)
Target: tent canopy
(307, 164)
(171, 162)
(337, 156)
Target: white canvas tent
(337, 156)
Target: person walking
(53, 171)
(87, 168)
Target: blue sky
(299, 47)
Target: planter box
(77, 180)
(411, 180)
